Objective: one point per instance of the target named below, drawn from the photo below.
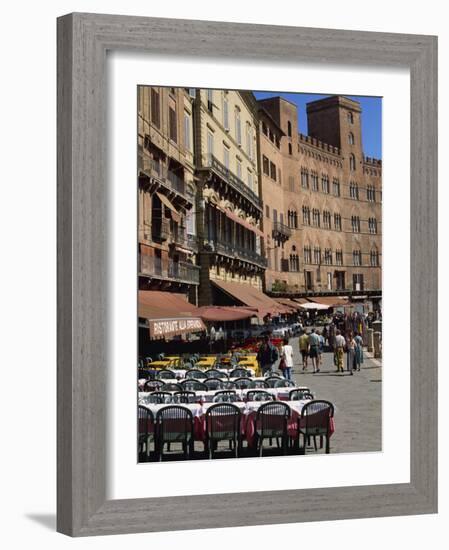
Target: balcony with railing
(209, 161)
(157, 169)
(182, 272)
(281, 231)
(160, 229)
(241, 253)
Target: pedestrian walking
(350, 353)
(320, 349)
(358, 350)
(304, 349)
(314, 344)
(286, 359)
(267, 356)
(339, 347)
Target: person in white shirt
(340, 343)
(286, 359)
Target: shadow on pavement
(46, 520)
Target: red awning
(301, 300)
(166, 202)
(252, 297)
(289, 303)
(227, 313)
(169, 314)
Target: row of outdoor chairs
(207, 384)
(185, 396)
(174, 424)
(164, 374)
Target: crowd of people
(311, 344)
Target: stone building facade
(230, 193)
(229, 208)
(330, 197)
(167, 192)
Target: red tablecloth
(248, 426)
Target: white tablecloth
(246, 407)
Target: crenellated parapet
(319, 144)
(372, 166)
(372, 161)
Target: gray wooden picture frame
(83, 41)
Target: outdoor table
(174, 360)
(159, 364)
(251, 415)
(279, 393)
(182, 372)
(250, 362)
(206, 362)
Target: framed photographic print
(247, 229)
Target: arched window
(355, 224)
(374, 258)
(337, 222)
(289, 129)
(350, 118)
(351, 138)
(292, 219)
(372, 225)
(294, 261)
(307, 255)
(357, 257)
(306, 215)
(352, 162)
(354, 190)
(339, 256)
(371, 193)
(290, 149)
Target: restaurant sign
(161, 328)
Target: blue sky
(371, 117)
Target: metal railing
(177, 184)
(182, 271)
(169, 179)
(282, 229)
(233, 251)
(210, 161)
(171, 270)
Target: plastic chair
(145, 430)
(174, 424)
(223, 424)
(272, 422)
(242, 383)
(259, 395)
(299, 395)
(193, 385)
(315, 421)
